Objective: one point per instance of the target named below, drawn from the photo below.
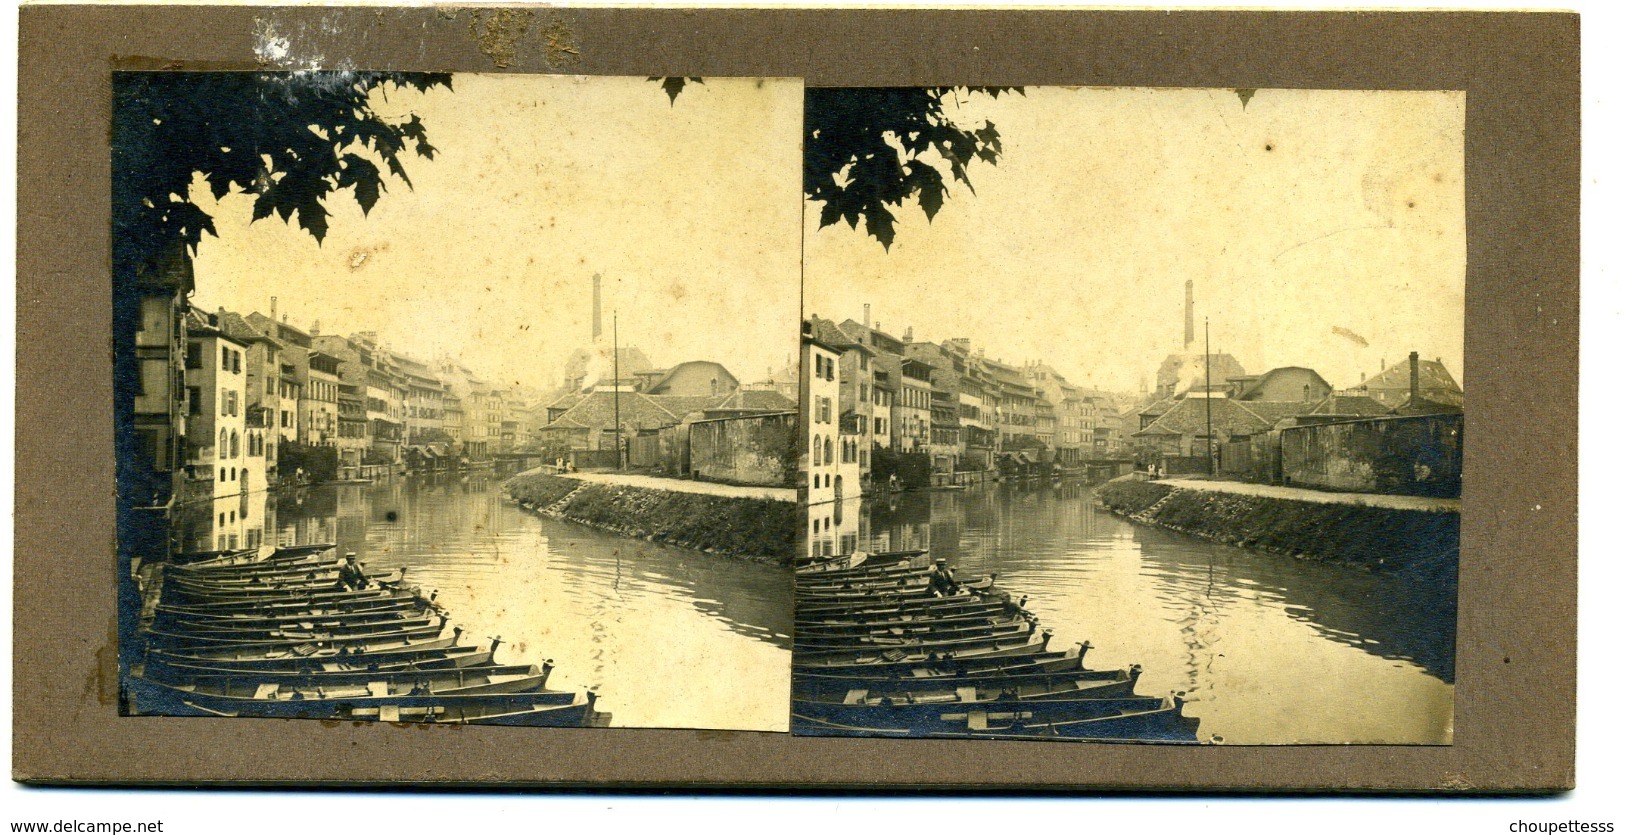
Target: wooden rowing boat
(253, 587)
(967, 636)
(969, 612)
(256, 602)
(957, 669)
(276, 700)
(296, 657)
(807, 610)
(844, 561)
(252, 555)
(576, 715)
(909, 657)
(360, 639)
(921, 627)
(355, 601)
(405, 610)
(813, 656)
(1160, 720)
(1093, 684)
(925, 717)
(447, 675)
(176, 668)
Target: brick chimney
(597, 306)
(866, 314)
(1190, 312)
(1416, 378)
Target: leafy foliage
(673, 86)
(867, 150)
(289, 139)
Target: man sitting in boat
(351, 574)
(942, 579)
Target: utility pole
(615, 338)
(1207, 368)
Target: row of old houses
(373, 407)
(879, 405)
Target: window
(224, 439)
(225, 358)
(829, 450)
(234, 444)
(194, 355)
(154, 447)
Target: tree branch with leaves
(289, 139)
(869, 150)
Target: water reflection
(669, 637)
(1267, 649)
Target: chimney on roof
(597, 307)
(866, 314)
(316, 328)
(1416, 377)
(1190, 313)
(273, 308)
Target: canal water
(669, 637)
(1265, 648)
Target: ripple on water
(1267, 649)
(667, 636)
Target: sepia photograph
(1131, 414)
(456, 399)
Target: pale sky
(690, 212)
(1303, 211)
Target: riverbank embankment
(738, 523)
(1353, 532)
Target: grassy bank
(754, 529)
(1374, 537)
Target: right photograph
(1131, 415)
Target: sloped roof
(1393, 385)
(1348, 404)
(1258, 383)
(566, 401)
(1423, 406)
(597, 411)
(1273, 411)
(665, 377)
(830, 335)
(237, 327)
(765, 400)
(1158, 407)
(1189, 417)
(681, 405)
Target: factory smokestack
(597, 306)
(1190, 312)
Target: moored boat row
(891, 645)
(297, 633)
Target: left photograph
(456, 399)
